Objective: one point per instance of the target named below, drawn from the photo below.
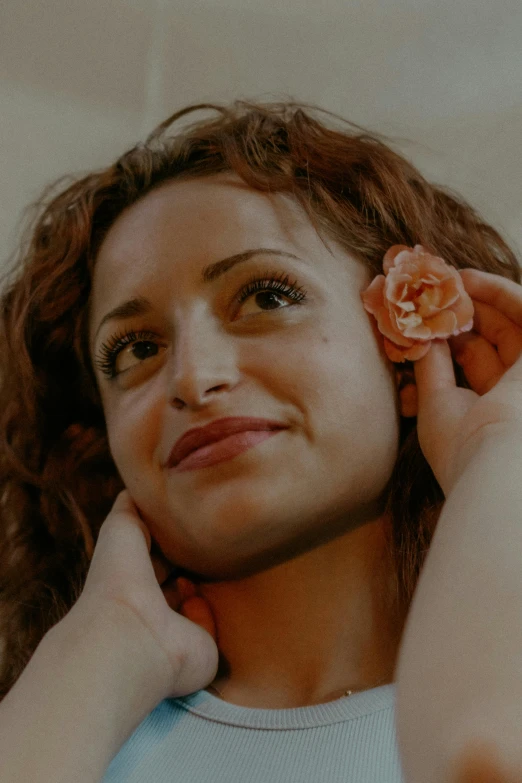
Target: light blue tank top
(202, 739)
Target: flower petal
(373, 297)
(390, 255)
(396, 354)
(419, 298)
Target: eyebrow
(141, 306)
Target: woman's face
(305, 354)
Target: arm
(126, 644)
(459, 675)
(82, 694)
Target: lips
(217, 430)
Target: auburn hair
(57, 477)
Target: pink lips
(231, 436)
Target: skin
(285, 540)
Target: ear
(405, 379)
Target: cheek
(356, 386)
(133, 433)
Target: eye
(268, 292)
(124, 351)
(134, 354)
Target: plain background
(80, 82)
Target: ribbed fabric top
(202, 739)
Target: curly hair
(57, 477)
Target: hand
(451, 421)
(481, 764)
(124, 582)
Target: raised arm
(460, 665)
(80, 697)
(99, 672)
(459, 679)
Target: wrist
(83, 693)
(113, 646)
(490, 443)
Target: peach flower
(419, 298)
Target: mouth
(198, 438)
(224, 449)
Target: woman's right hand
(128, 584)
(127, 643)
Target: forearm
(459, 672)
(78, 700)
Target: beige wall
(81, 81)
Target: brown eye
(265, 300)
(134, 354)
(127, 350)
(270, 293)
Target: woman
(207, 276)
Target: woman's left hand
(452, 421)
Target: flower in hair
(419, 298)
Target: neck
(310, 629)
(240, 701)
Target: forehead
(183, 226)
(201, 218)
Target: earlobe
(407, 392)
(409, 401)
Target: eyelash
(277, 282)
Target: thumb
(442, 403)
(122, 552)
(434, 372)
(438, 409)
(193, 605)
(442, 406)
(198, 610)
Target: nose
(204, 364)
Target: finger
(124, 504)
(480, 361)
(184, 598)
(177, 590)
(497, 329)
(194, 608)
(434, 371)
(198, 610)
(187, 587)
(173, 594)
(122, 551)
(499, 292)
